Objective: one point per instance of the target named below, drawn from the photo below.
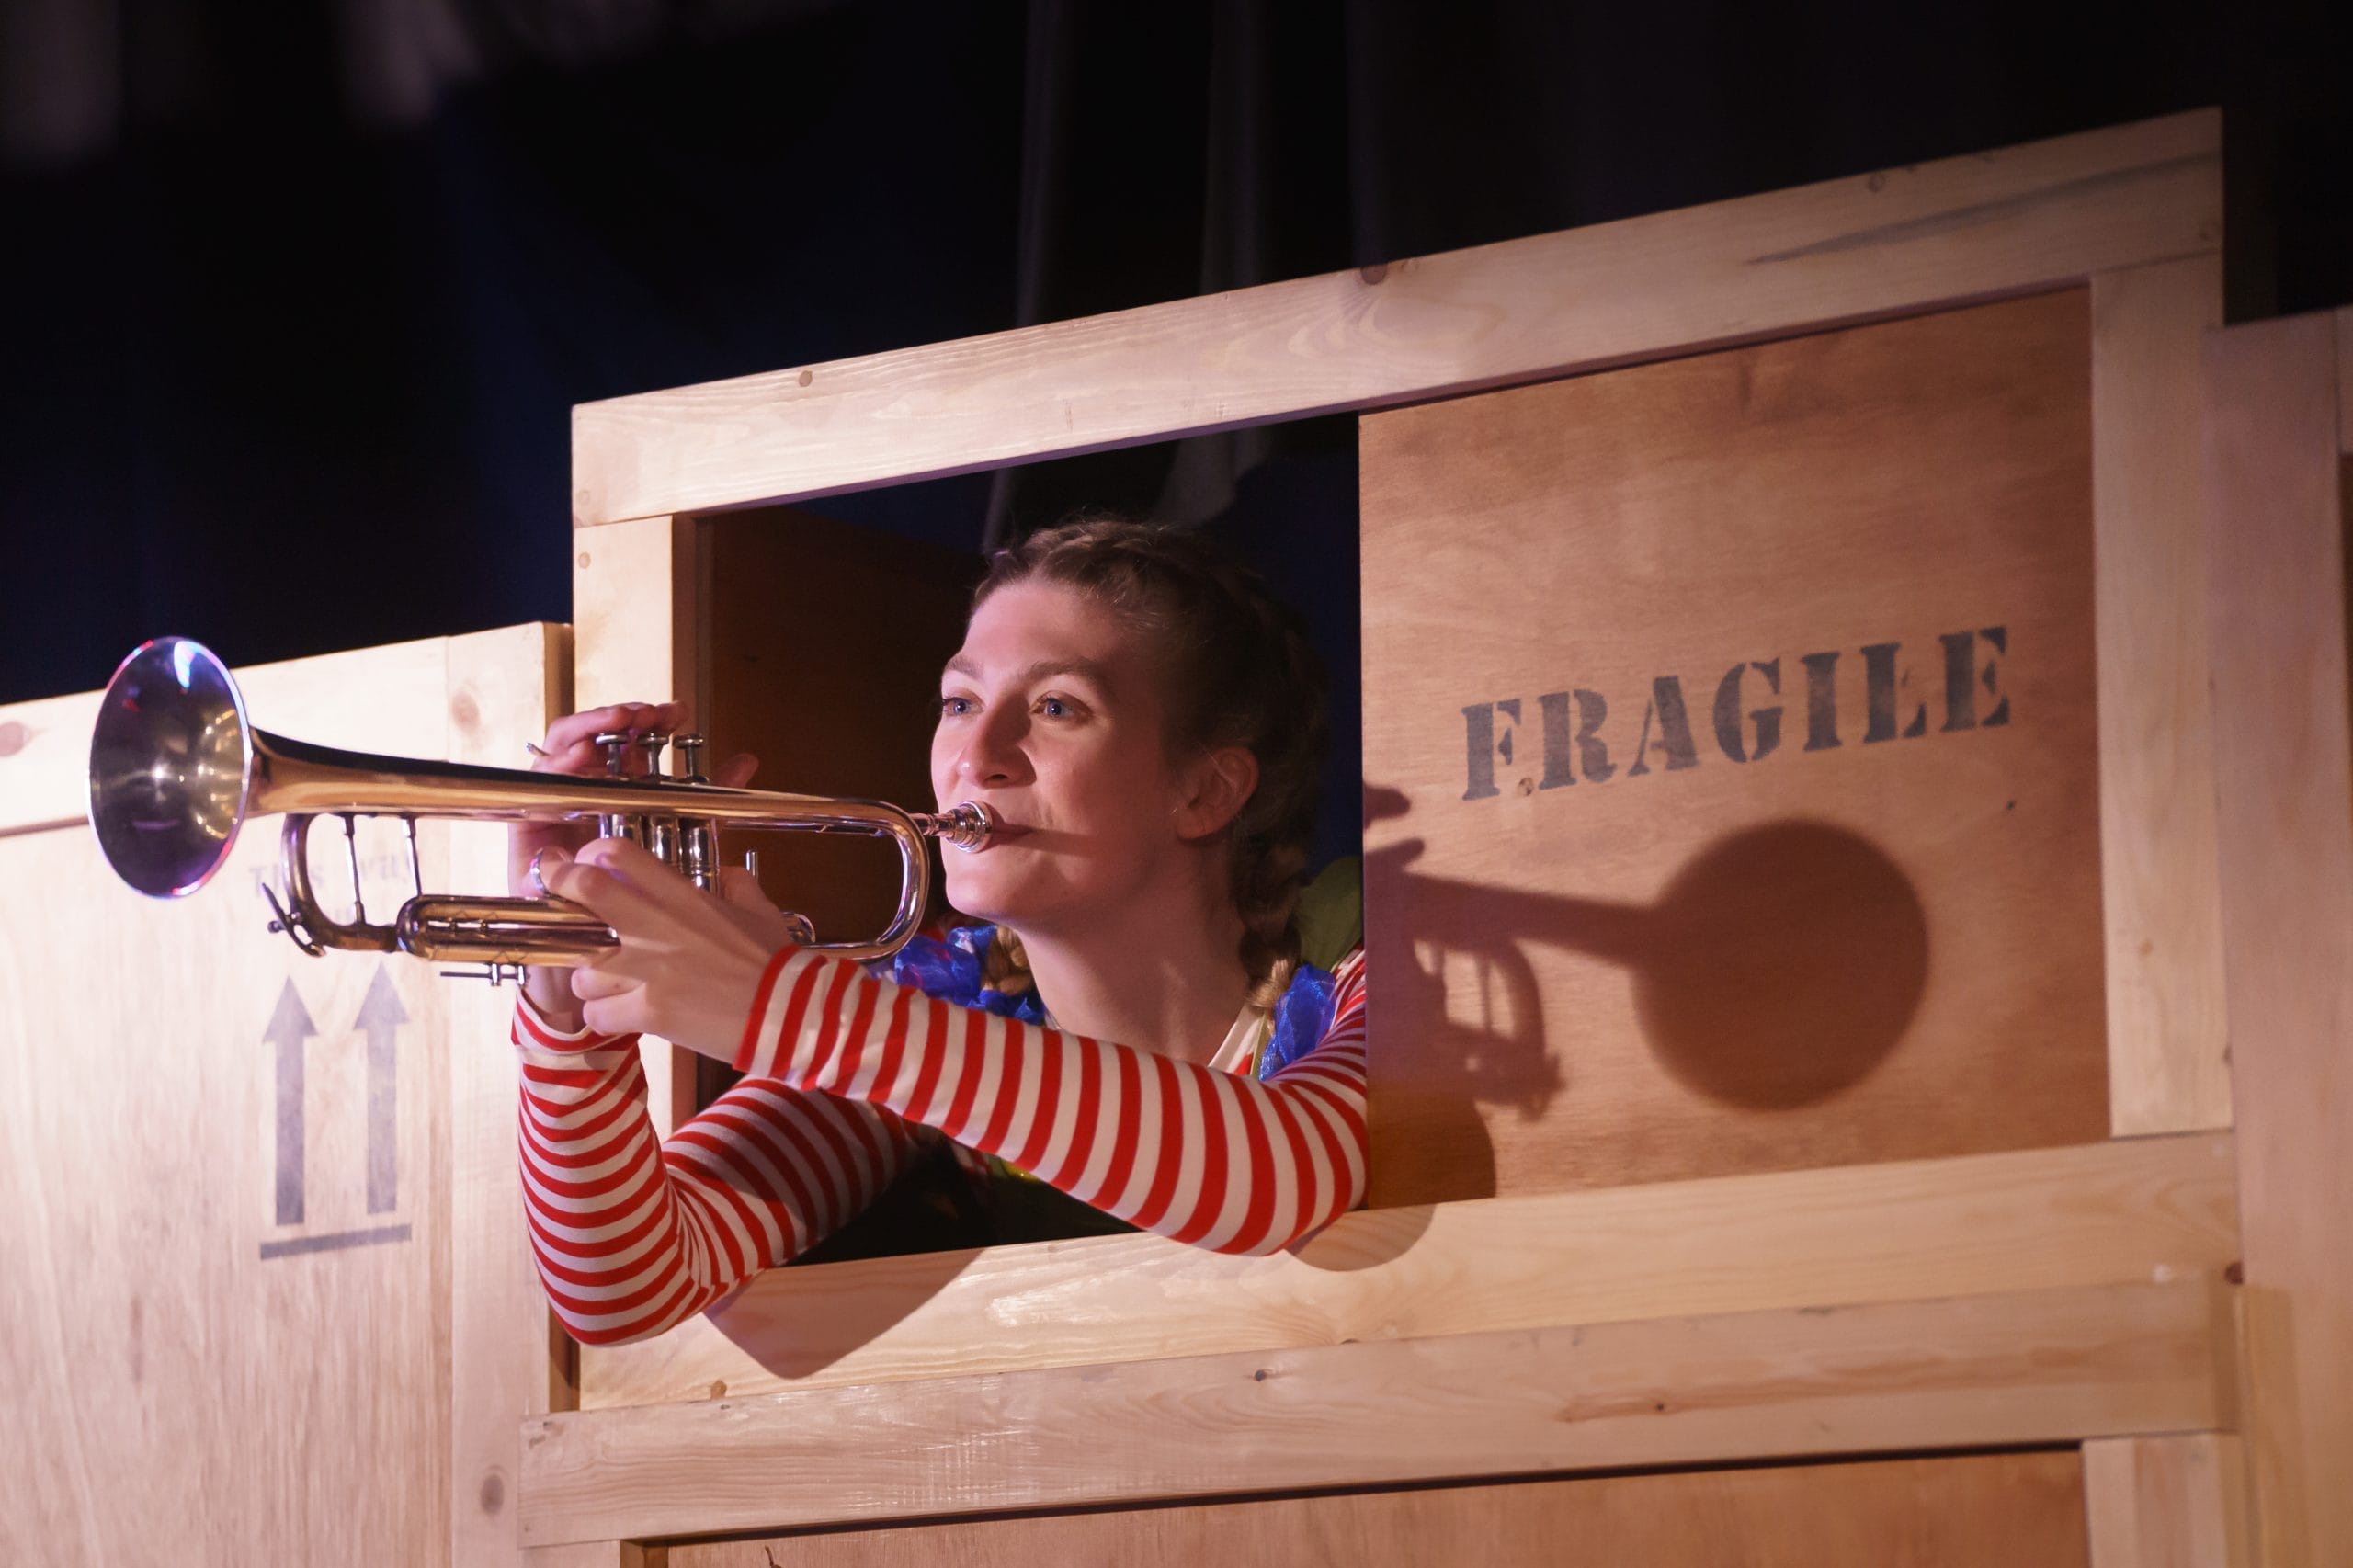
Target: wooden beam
(638, 593)
(506, 1361)
(2167, 1051)
(2147, 1209)
(1898, 241)
(2177, 1502)
(2000, 1510)
(2284, 772)
(1974, 1372)
(594, 1554)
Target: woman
(1147, 723)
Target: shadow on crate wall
(1780, 967)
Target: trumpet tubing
(176, 770)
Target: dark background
(298, 297)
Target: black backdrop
(295, 304)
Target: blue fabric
(1302, 1014)
(951, 972)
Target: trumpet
(176, 770)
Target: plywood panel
(2276, 570)
(2152, 1208)
(224, 1283)
(1731, 762)
(2033, 1367)
(2008, 221)
(825, 646)
(2022, 1510)
(2168, 1056)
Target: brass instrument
(176, 770)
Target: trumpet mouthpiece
(965, 826)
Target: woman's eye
(955, 707)
(1055, 707)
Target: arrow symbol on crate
(290, 1026)
(380, 1017)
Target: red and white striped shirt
(633, 1236)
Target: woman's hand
(570, 748)
(689, 963)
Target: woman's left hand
(689, 963)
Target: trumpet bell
(171, 761)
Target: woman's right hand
(570, 748)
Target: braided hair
(1238, 671)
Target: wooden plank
(2177, 1502)
(638, 597)
(2014, 1508)
(1730, 727)
(45, 762)
(503, 685)
(2145, 1210)
(2019, 219)
(225, 1279)
(2284, 771)
(2167, 1049)
(2032, 1368)
(594, 1554)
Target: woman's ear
(1214, 790)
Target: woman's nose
(993, 753)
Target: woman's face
(1052, 714)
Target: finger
(624, 1014)
(641, 885)
(619, 903)
(737, 770)
(740, 886)
(571, 741)
(593, 985)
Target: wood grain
(1901, 240)
(2284, 766)
(1856, 917)
(2032, 1368)
(638, 594)
(45, 762)
(2015, 1509)
(2177, 1502)
(2167, 1049)
(2145, 1210)
(168, 1382)
(594, 1554)
(502, 684)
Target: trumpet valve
(690, 759)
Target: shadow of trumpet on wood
(1779, 968)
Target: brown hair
(1239, 671)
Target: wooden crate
(264, 1292)
(1943, 422)
(1732, 760)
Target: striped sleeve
(1205, 1157)
(632, 1236)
